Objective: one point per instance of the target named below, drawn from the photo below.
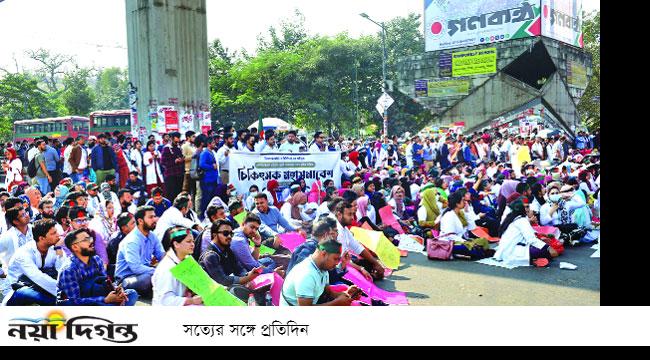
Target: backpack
(196, 172)
(31, 168)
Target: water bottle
(268, 300)
(251, 300)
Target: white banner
(562, 20)
(247, 169)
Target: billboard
(562, 20)
(450, 24)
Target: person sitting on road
(240, 247)
(519, 246)
(454, 226)
(83, 281)
(309, 280)
(178, 243)
(159, 203)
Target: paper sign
(377, 242)
(291, 240)
(240, 218)
(276, 289)
(190, 273)
(373, 292)
(482, 233)
(567, 266)
(263, 249)
(261, 281)
(171, 121)
(547, 230)
(387, 217)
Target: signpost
(383, 104)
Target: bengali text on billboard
(562, 20)
(457, 23)
(474, 62)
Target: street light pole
(384, 60)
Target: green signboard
(474, 62)
(448, 87)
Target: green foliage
(111, 89)
(77, 96)
(310, 81)
(589, 106)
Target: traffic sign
(380, 109)
(386, 101)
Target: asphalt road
(465, 283)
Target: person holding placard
(178, 243)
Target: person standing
(210, 179)
(52, 159)
(43, 177)
(268, 145)
(188, 150)
(13, 167)
(319, 143)
(137, 160)
(103, 159)
(223, 157)
(292, 145)
(78, 160)
(173, 166)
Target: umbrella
(277, 124)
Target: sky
(94, 31)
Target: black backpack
(196, 172)
(31, 168)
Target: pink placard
(387, 217)
(276, 289)
(261, 281)
(391, 298)
(291, 240)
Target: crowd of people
(103, 220)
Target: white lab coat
(170, 218)
(152, 167)
(28, 261)
(167, 291)
(451, 229)
(514, 247)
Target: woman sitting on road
(167, 290)
(519, 246)
(454, 226)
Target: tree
(111, 89)
(589, 106)
(52, 67)
(291, 34)
(77, 96)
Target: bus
(54, 128)
(109, 121)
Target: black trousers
(173, 186)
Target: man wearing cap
(78, 159)
(174, 166)
(79, 220)
(139, 252)
(103, 159)
(82, 280)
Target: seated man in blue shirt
(240, 247)
(273, 219)
(139, 252)
(83, 281)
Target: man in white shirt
(345, 212)
(18, 235)
(223, 157)
(557, 151)
(549, 151)
(292, 145)
(67, 168)
(268, 145)
(505, 149)
(319, 143)
(514, 149)
(175, 216)
(36, 265)
(537, 150)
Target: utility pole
(384, 60)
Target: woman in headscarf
(13, 167)
(429, 210)
(557, 211)
(538, 199)
(507, 188)
(365, 211)
(122, 171)
(519, 246)
(60, 193)
(271, 189)
(369, 188)
(346, 186)
(316, 194)
(330, 193)
(105, 221)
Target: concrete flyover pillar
(168, 62)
